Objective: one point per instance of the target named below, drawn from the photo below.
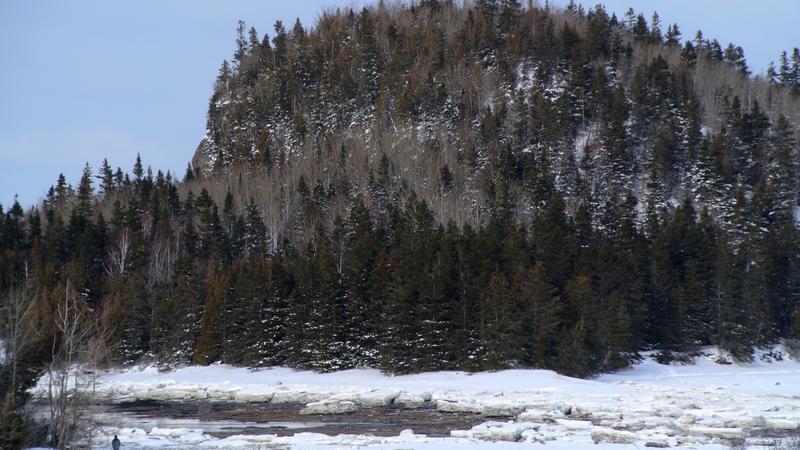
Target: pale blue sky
(90, 79)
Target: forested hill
(497, 94)
(432, 186)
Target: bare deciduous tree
(118, 254)
(71, 373)
(162, 259)
(18, 334)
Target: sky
(91, 79)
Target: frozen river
(712, 403)
(225, 419)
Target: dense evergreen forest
(432, 186)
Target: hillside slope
(462, 101)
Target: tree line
(180, 281)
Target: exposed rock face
(205, 154)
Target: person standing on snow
(115, 443)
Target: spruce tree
(106, 177)
(542, 318)
(213, 334)
(501, 327)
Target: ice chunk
(222, 393)
(782, 424)
(721, 433)
(412, 400)
(573, 425)
(288, 395)
(377, 397)
(535, 415)
(761, 442)
(467, 406)
(169, 432)
(686, 419)
(329, 407)
(182, 435)
(408, 433)
(609, 435)
(502, 409)
(253, 397)
(499, 431)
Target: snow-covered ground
(704, 405)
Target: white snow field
(705, 405)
